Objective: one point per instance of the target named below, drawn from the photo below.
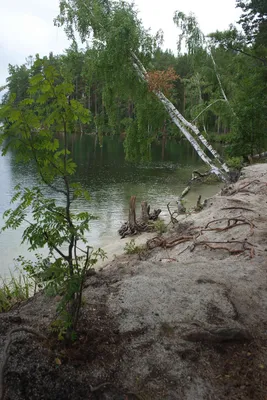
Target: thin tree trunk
(144, 212)
(132, 214)
(174, 114)
(178, 119)
(182, 123)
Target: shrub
(132, 248)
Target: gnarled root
(133, 225)
(6, 352)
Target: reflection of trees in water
(104, 165)
(110, 180)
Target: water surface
(110, 181)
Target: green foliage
(224, 138)
(235, 162)
(132, 248)
(190, 32)
(103, 78)
(160, 226)
(253, 20)
(16, 288)
(30, 129)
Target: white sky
(27, 27)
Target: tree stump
(132, 214)
(133, 225)
(144, 212)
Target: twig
(237, 208)
(99, 387)
(173, 220)
(6, 349)
(244, 186)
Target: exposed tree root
(213, 245)
(231, 223)
(133, 225)
(229, 245)
(242, 188)
(219, 335)
(167, 243)
(99, 387)
(173, 219)
(237, 208)
(232, 251)
(6, 352)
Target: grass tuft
(14, 289)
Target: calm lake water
(110, 181)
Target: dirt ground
(185, 320)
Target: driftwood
(134, 225)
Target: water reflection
(110, 181)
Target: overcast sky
(27, 27)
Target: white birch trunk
(182, 123)
(178, 119)
(174, 114)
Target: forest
(217, 82)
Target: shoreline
(184, 320)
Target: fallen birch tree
(114, 29)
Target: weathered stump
(132, 214)
(133, 225)
(144, 212)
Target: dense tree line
(218, 83)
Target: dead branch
(181, 207)
(99, 387)
(185, 192)
(6, 352)
(261, 155)
(213, 245)
(237, 208)
(241, 189)
(235, 200)
(173, 219)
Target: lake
(111, 181)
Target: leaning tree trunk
(177, 118)
(183, 124)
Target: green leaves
(31, 126)
(190, 32)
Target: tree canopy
(216, 83)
